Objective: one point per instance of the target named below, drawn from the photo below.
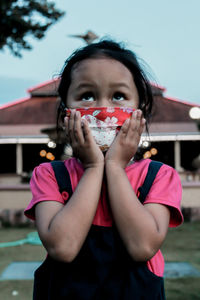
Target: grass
(23, 288)
(182, 244)
(24, 252)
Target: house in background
(28, 137)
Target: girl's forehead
(99, 65)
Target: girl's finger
(86, 131)
(132, 125)
(78, 132)
(135, 122)
(142, 124)
(71, 125)
(138, 119)
(125, 127)
(138, 114)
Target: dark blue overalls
(103, 269)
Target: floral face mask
(104, 122)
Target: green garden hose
(32, 238)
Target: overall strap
(153, 169)
(62, 177)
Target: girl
(103, 243)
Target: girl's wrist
(95, 166)
(112, 164)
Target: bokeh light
(147, 154)
(50, 156)
(43, 153)
(153, 151)
(194, 113)
(51, 144)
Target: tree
(22, 18)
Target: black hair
(113, 50)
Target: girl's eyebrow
(120, 84)
(112, 85)
(84, 85)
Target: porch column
(19, 159)
(177, 155)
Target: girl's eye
(118, 96)
(87, 97)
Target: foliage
(21, 18)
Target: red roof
(19, 101)
(35, 110)
(47, 88)
(40, 108)
(170, 110)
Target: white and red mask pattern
(104, 122)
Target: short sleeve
(44, 187)
(167, 190)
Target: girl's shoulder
(141, 166)
(46, 167)
(44, 186)
(166, 188)
(137, 172)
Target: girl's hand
(82, 141)
(126, 142)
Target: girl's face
(101, 82)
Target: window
(8, 158)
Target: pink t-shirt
(166, 190)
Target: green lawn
(182, 244)
(24, 252)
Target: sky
(165, 34)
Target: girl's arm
(63, 229)
(142, 227)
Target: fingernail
(139, 113)
(143, 121)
